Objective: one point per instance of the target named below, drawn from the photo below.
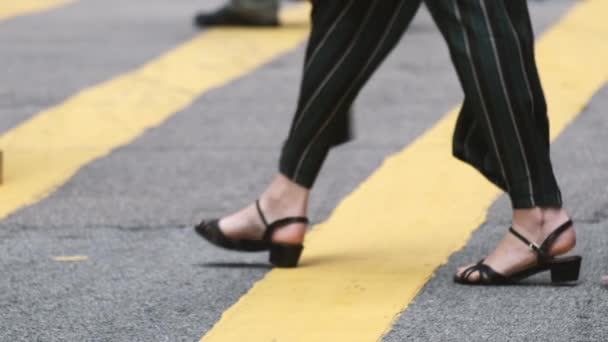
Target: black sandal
(281, 254)
(563, 269)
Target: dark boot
(231, 16)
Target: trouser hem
(551, 200)
(301, 168)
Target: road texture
(149, 278)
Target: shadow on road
(233, 265)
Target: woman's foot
(283, 198)
(512, 256)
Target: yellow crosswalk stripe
(363, 266)
(13, 8)
(47, 150)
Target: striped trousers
(502, 129)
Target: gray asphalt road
(150, 279)
(48, 57)
(536, 312)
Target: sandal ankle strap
(259, 208)
(532, 245)
(274, 226)
(550, 240)
(542, 250)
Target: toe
(473, 277)
(463, 268)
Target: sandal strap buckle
(534, 246)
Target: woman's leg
(503, 128)
(349, 40)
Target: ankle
(554, 215)
(553, 218)
(529, 221)
(284, 197)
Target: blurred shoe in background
(241, 13)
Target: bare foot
(512, 256)
(282, 198)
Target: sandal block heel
(566, 270)
(284, 255)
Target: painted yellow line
(44, 152)
(65, 258)
(364, 265)
(14, 8)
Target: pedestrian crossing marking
(14, 8)
(362, 267)
(45, 151)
